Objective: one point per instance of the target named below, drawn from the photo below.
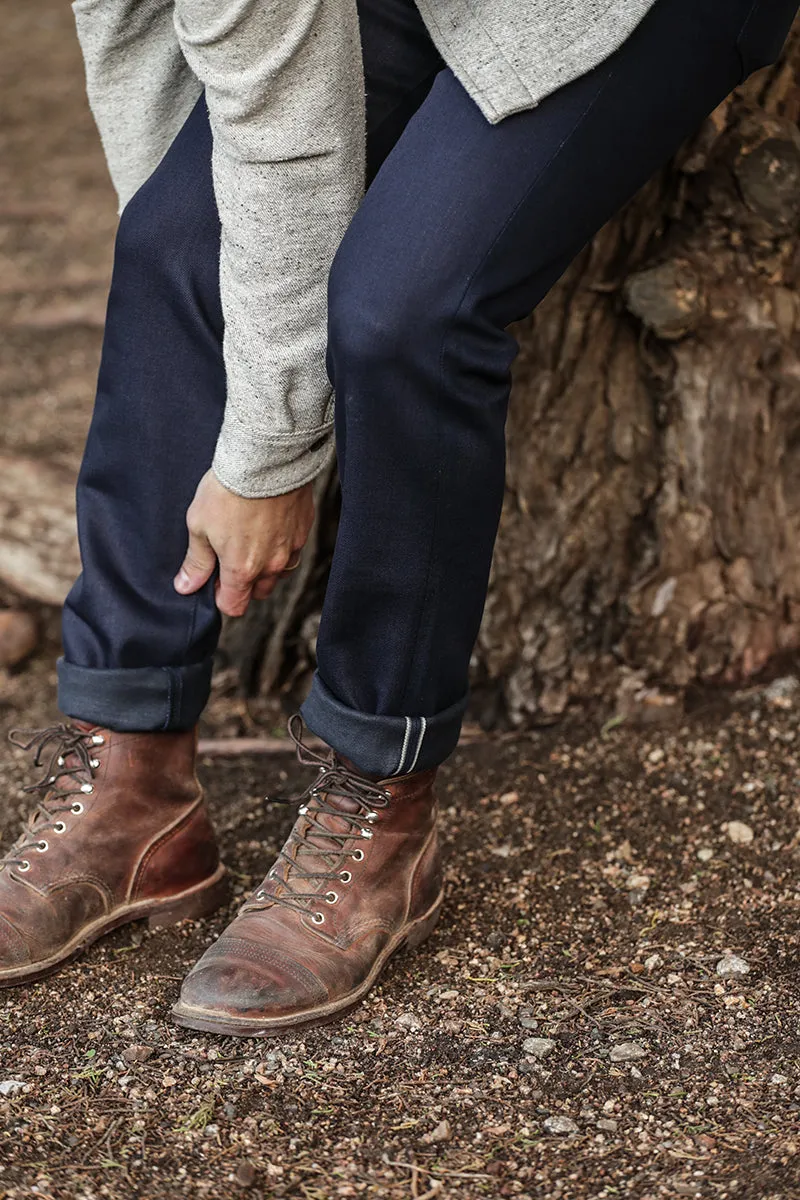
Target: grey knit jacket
(284, 86)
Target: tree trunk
(650, 529)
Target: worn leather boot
(359, 877)
(120, 832)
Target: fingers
(197, 567)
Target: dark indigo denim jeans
(464, 228)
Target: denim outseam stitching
(166, 723)
(423, 727)
(406, 739)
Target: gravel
(538, 1047)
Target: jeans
(464, 228)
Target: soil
(600, 879)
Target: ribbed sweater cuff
(255, 467)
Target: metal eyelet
(98, 739)
(345, 876)
(42, 847)
(358, 855)
(52, 779)
(317, 918)
(59, 827)
(260, 895)
(77, 807)
(87, 788)
(303, 809)
(24, 866)
(60, 760)
(372, 816)
(366, 833)
(332, 897)
(94, 762)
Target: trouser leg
(464, 230)
(137, 656)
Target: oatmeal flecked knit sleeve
(283, 81)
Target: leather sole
(196, 902)
(207, 1021)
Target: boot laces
(54, 745)
(314, 838)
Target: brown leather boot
(359, 877)
(120, 832)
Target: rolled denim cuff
(379, 745)
(135, 700)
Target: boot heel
(422, 929)
(202, 902)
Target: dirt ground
(610, 1004)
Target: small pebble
(627, 1052)
(526, 1018)
(779, 1080)
(705, 854)
(9, 1086)
(409, 1021)
(782, 689)
(731, 965)
(652, 961)
(560, 1125)
(739, 833)
(245, 1174)
(137, 1054)
(607, 1125)
(442, 1132)
(538, 1047)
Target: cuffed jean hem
(135, 700)
(378, 745)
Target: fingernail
(182, 582)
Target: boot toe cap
(14, 951)
(237, 979)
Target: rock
(442, 1132)
(731, 965)
(538, 1047)
(638, 882)
(607, 1125)
(656, 756)
(782, 690)
(779, 1080)
(9, 1086)
(739, 833)
(526, 1018)
(245, 1174)
(627, 1052)
(137, 1054)
(409, 1021)
(705, 854)
(560, 1125)
(653, 961)
(18, 637)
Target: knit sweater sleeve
(284, 86)
(283, 81)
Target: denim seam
(168, 715)
(423, 727)
(404, 749)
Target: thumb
(197, 567)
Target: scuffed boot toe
(239, 987)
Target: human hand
(253, 540)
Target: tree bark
(652, 509)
